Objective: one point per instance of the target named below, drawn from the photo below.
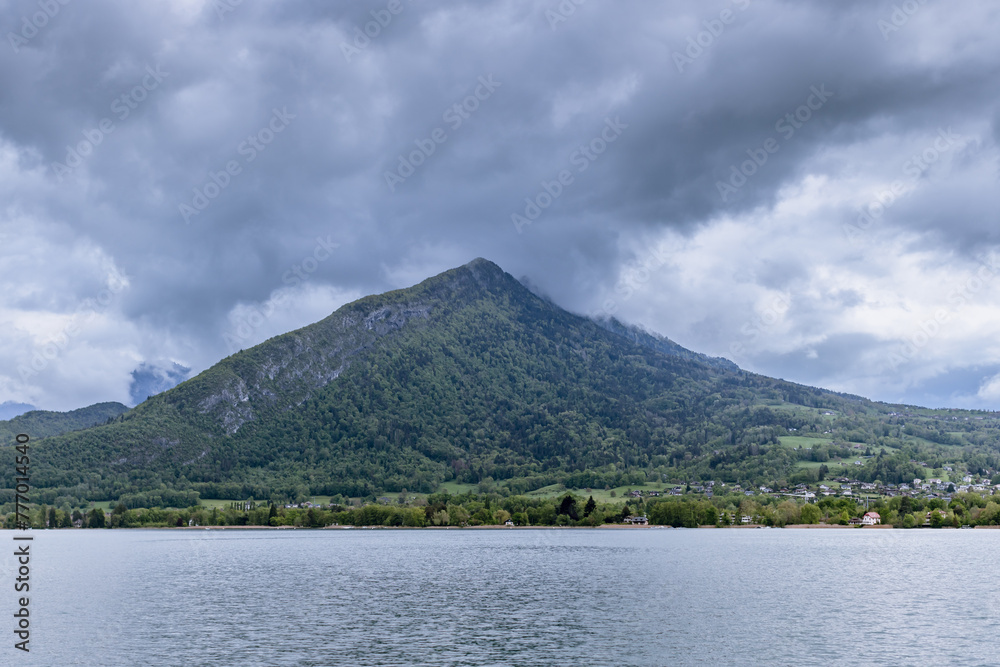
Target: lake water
(508, 597)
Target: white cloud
(989, 390)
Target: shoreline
(606, 526)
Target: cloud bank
(807, 188)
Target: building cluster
(838, 487)
(695, 487)
(918, 488)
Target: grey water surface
(653, 596)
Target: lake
(507, 597)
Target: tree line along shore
(492, 509)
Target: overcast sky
(807, 188)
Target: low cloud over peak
(807, 188)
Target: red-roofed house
(870, 519)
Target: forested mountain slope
(466, 376)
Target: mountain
(467, 376)
(11, 409)
(661, 344)
(45, 423)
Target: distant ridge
(46, 423)
(11, 409)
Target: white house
(871, 518)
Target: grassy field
(837, 467)
(210, 503)
(600, 495)
(810, 441)
(923, 441)
(223, 503)
(804, 441)
(556, 490)
(455, 488)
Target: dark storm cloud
(239, 140)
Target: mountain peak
(466, 376)
(480, 263)
(468, 281)
(483, 270)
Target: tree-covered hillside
(467, 376)
(45, 423)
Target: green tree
(909, 521)
(482, 517)
(568, 507)
(96, 518)
(589, 507)
(457, 515)
(810, 514)
(53, 518)
(710, 516)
